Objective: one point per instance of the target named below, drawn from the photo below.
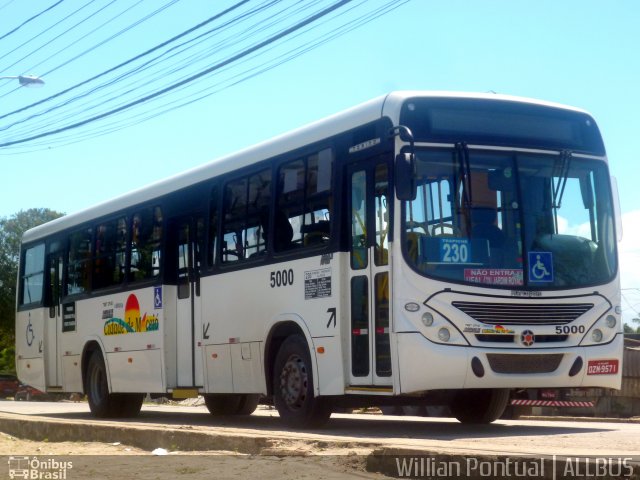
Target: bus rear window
(32, 279)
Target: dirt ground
(84, 460)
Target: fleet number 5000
(566, 329)
(281, 278)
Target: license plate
(602, 367)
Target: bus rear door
(188, 234)
(53, 321)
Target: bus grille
(523, 313)
(502, 338)
(522, 364)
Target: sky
(577, 52)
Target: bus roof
(386, 105)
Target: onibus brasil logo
(38, 468)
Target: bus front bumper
(424, 365)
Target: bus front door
(369, 274)
(189, 233)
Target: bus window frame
(21, 275)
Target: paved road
(504, 437)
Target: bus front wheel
(130, 404)
(479, 406)
(293, 386)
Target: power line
(185, 81)
(177, 55)
(99, 102)
(30, 19)
(27, 42)
(127, 62)
(38, 49)
(138, 118)
(6, 4)
(160, 75)
(117, 34)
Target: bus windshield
(510, 219)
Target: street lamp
(27, 80)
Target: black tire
(231, 404)
(102, 403)
(293, 387)
(479, 406)
(514, 412)
(129, 404)
(415, 410)
(396, 410)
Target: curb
(417, 463)
(147, 438)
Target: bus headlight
(444, 335)
(433, 326)
(596, 335)
(610, 321)
(603, 331)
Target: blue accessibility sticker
(540, 267)
(157, 297)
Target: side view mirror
(405, 176)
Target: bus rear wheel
(232, 404)
(479, 406)
(101, 403)
(293, 386)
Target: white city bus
(422, 247)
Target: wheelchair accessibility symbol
(540, 267)
(30, 335)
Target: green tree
(630, 328)
(11, 230)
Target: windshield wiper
(464, 169)
(558, 188)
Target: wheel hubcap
(294, 380)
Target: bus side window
(212, 255)
(304, 197)
(257, 220)
(110, 248)
(146, 240)
(246, 217)
(235, 199)
(79, 262)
